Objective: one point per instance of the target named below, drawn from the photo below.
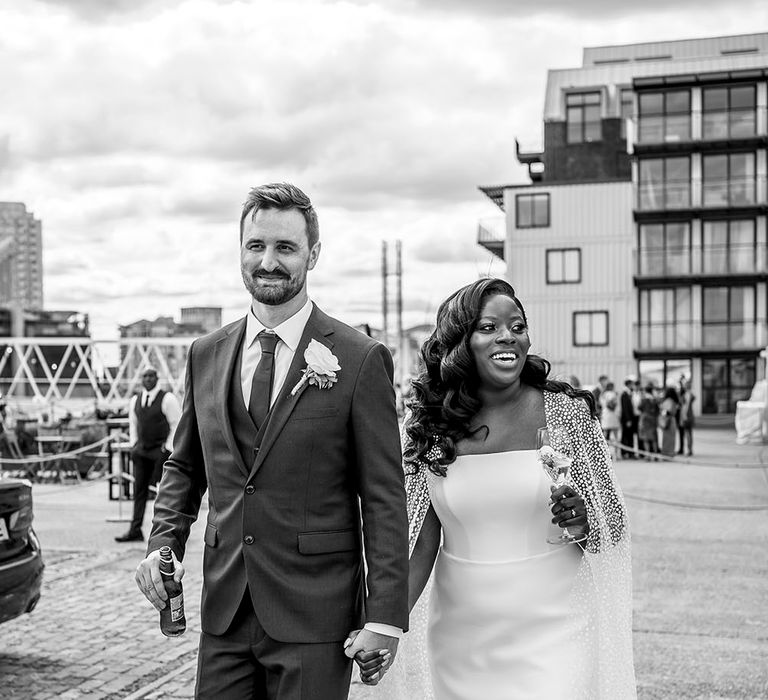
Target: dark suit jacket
(289, 525)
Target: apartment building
(639, 245)
(21, 257)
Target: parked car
(21, 561)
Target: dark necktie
(261, 387)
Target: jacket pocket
(327, 542)
(314, 413)
(211, 537)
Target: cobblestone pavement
(701, 599)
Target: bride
(508, 616)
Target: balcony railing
(491, 234)
(698, 125)
(705, 193)
(715, 260)
(697, 335)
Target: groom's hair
(282, 196)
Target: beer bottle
(172, 620)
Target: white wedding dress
(502, 621)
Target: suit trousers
(245, 662)
(147, 470)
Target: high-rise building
(639, 245)
(24, 285)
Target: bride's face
(500, 342)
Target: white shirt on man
(170, 408)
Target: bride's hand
(371, 663)
(568, 508)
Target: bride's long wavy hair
(444, 396)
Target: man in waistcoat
(289, 423)
(152, 419)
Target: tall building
(207, 317)
(24, 285)
(639, 245)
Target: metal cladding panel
(593, 77)
(679, 50)
(597, 219)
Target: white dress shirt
(170, 408)
(289, 334)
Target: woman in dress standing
(648, 423)
(510, 616)
(668, 411)
(609, 416)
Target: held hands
(569, 509)
(374, 663)
(150, 582)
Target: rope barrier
(38, 459)
(694, 506)
(659, 457)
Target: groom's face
(275, 255)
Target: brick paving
(701, 599)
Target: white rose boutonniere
(321, 368)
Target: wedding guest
(648, 423)
(503, 598)
(628, 419)
(668, 409)
(609, 416)
(685, 425)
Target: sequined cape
(603, 587)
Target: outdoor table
(46, 446)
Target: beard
(281, 288)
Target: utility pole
(399, 302)
(384, 300)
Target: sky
(133, 129)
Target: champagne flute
(556, 464)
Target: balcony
(491, 234)
(675, 195)
(698, 336)
(683, 262)
(700, 127)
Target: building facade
(645, 219)
(21, 264)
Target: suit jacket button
(250, 489)
(255, 451)
(248, 539)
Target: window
(665, 183)
(590, 328)
(729, 179)
(724, 381)
(532, 210)
(728, 112)
(729, 247)
(665, 318)
(582, 117)
(626, 109)
(563, 265)
(729, 315)
(664, 116)
(664, 249)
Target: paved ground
(700, 573)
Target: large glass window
(590, 328)
(665, 249)
(665, 318)
(728, 112)
(726, 380)
(729, 247)
(665, 183)
(729, 179)
(664, 116)
(729, 319)
(532, 210)
(563, 265)
(582, 117)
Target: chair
(71, 439)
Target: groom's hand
(366, 641)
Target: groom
(289, 422)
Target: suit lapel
(227, 350)
(319, 328)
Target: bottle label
(177, 608)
